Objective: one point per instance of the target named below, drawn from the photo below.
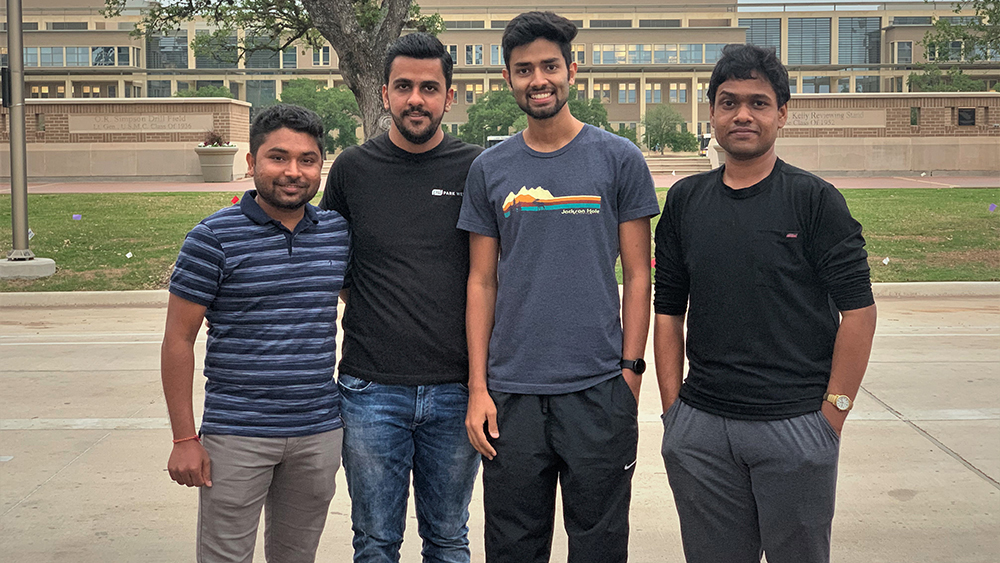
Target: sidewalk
(661, 181)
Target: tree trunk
(361, 51)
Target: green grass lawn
(927, 234)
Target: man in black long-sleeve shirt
(770, 268)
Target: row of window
(593, 24)
(80, 56)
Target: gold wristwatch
(842, 402)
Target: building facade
(631, 56)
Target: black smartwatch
(637, 366)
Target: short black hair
(296, 118)
(419, 46)
(746, 62)
(530, 26)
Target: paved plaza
(84, 440)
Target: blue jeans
(389, 432)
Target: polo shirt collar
(250, 208)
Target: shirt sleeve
(838, 252)
(333, 194)
(636, 192)
(477, 215)
(672, 281)
(198, 270)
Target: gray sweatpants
(292, 478)
(744, 488)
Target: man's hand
(836, 417)
(634, 381)
(189, 464)
(482, 411)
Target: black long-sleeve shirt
(762, 273)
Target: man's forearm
(851, 350)
(177, 375)
(479, 318)
(668, 350)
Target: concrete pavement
(84, 439)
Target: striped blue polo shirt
(271, 298)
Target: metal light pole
(21, 262)
(18, 151)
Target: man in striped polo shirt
(265, 273)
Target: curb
(158, 297)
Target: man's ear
(782, 115)
(251, 161)
(385, 97)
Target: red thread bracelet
(196, 438)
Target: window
(860, 41)
(609, 54)
(50, 56)
(321, 57)
(77, 56)
(966, 116)
(815, 85)
(66, 26)
(914, 116)
(123, 56)
(102, 56)
(665, 54)
(499, 24)
(678, 93)
(265, 56)
(31, 56)
(653, 93)
(691, 54)
(168, 50)
(25, 26)
(702, 92)
(659, 23)
(961, 20)
(808, 41)
(453, 51)
(289, 58)
(464, 24)
(610, 23)
(473, 92)
(602, 91)
(579, 53)
(763, 32)
(496, 55)
(581, 90)
(904, 52)
(474, 54)
(911, 20)
(626, 93)
(199, 84)
(866, 84)
(640, 54)
(793, 85)
(261, 92)
(158, 88)
(713, 51)
(844, 85)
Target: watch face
(843, 402)
(640, 366)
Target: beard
(541, 113)
(269, 193)
(417, 137)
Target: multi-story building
(630, 56)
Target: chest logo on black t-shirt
(438, 193)
(540, 199)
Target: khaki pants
(294, 478)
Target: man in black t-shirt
(404, 369)
(770, 268)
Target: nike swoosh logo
(629, 466)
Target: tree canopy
(358, 30)
(969, 39)
(497, 113)
(663, 127)
(336, 107)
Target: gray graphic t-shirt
(557, 326)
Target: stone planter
(216, 163)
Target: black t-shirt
(405, 318)
(762, 273)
